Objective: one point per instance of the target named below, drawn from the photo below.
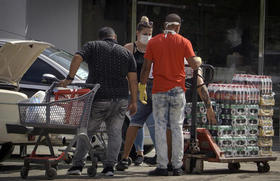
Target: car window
(36, 71)
(64, 59)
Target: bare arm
(194, 62)
(75, 64)
(145, 71)
(133, 87)
(204, 95)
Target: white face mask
(145, 39)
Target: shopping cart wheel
(198, 166)
(189, 165)
(234, 166)
(24, 172)
(51, 173)
(91, 171)
(263, 167)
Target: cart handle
(85, 85)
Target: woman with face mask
(135, 131)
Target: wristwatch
(69, 78)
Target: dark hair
(106, 32)
(173, 18)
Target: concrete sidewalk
(10, 170)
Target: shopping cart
(65, 116)
(202, 147)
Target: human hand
(142, 93)
(211, 115)
(64, 83)
(132, 108)
(195, 63)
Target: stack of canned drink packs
(244, 113)
(266, 103)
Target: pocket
(99, 110)
(123, 104)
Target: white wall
(12, 18)
(54, 21)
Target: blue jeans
(139, 141)
(112, 112)
(168, 107)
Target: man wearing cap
(167, 52)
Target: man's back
(167, 51)
(109, 64)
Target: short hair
(173, 18)
(144, 23)
(106, 32)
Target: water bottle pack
(261, 82)
(234, 93)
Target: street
(10, 170)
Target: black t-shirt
(139, 57)
(108, 64)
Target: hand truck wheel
(263, 167)
(234, 166)
(24, 172)
(198, 168)
(51, 173)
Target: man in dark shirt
(114, 68)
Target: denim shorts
(143, 110)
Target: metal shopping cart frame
(47, 118)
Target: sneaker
(178, 172)
(139, 160)
(74, 170)
(159, 172)
(169, 167)
(152, 161)
(108, 171)
(122, 165)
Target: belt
(108, 100)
